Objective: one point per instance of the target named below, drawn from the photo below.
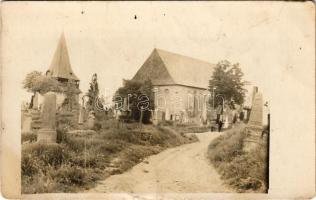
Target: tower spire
(60, 66)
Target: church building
(180, 85)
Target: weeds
(244, 171)
(80, 159)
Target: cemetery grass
(244, 171)
(186, 128)
(79, 160)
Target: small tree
(30, 81)
(139, 95)
(227, 79)
(93, 93)
(71, 91)
(37, 82)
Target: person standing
(220, 123)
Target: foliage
(244, 171)
(93, 94)
(29, 137)
(137, 93)
(30, 79)
(71, 91)
(227, 79)
(37, 82)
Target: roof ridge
(177, 54)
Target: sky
(113, 39)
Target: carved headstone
(47, 133)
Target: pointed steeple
(60, 66)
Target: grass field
(81, 158)
(244, 171)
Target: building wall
(175, 100)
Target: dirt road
(181, 169)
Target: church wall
(175, 99)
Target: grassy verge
(186, 128)
(244, 171)
(80, 159)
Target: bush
(39, 183)
(97, 126)
(30, 137)
(225, 149)
(90, 160)
(69, 175)
(30, 165)
(112, 147)
(48, 154)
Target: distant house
(180, 85)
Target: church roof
(167, 68)
(60, 66)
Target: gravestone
(226, 121)
(91, 120)
(26, 123)
(167, 115)
(254, 128)
(47, 133)
(255, 118)
(82, 115)
(35, 101)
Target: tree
(71, 91)
(93, 93)
(227, 78)
(140, 97)
(30, 80)
(37, 82)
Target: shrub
(111, 147)
(90, 160)
(30, 165)
(97, 126)
(69, 175)
(226, 148)
(39, 183)
(48, 154)
(30, 137)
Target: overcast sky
(266, 38)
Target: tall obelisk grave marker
(254, 128)
(47, 133)
(256, 114)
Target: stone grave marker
(26, 123)
(47, 133)
(254, 128)
(255, 118)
